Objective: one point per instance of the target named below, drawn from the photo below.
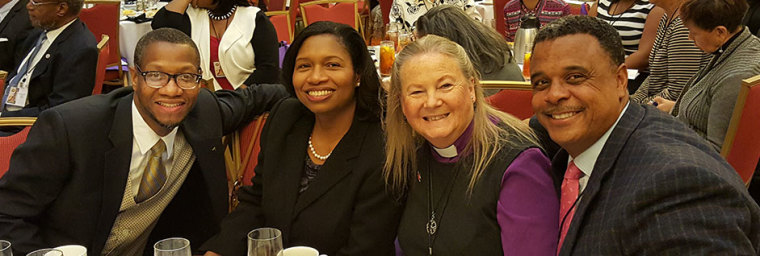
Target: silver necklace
(223, 17)
(314, 152)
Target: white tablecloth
(129, 34)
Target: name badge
(16, 96)
(218, 72)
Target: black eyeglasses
(158, 79)
(35, 4)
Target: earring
(357, 84)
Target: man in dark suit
(14, 28)
(99, 171)
(60, 63)
(636, 181)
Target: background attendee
(14, 28)
(636, 22)
(674, 57)
(636, 181)
(319, 177)
(709, 97)
(752, 18)
(238, 44)
(405, 12)
(474, 180)
(488, 52)
(515, 12)
(60, 63)
(100, 171)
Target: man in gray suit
(636, 181)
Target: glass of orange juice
(387, 57)
(526, 66)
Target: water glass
(265, 242)
(404, 39)
(387, 57)
(5, 248)
(46, 252)
(175, 246)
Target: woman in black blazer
(318, 177)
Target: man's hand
(210, 253)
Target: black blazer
(66, 72)
(15, 27)
(65, 183)
(659, 189)
(345, 210)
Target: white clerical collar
(448, 152)
(586, 160)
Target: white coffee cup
(72, 250)
(300, 251)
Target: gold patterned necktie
(154, 175)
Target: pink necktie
(570, 187)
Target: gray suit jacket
(658, 189)
(708, 99)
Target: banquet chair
(100, 69)
(340, 11)
(276, 5)
(514, 97)
(498, 17)
(9, 143)
(103, 19)
(741, 147)
(281, 22)
(3, 75)
(243, 156)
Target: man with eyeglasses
(59, 64)
(118, 172)
(14, 29)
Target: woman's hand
(662, 104)
(210, 253)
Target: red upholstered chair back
(741, 147)
(498, 16)
(514, 97)
(385, 8)
(9, 143)
(100, 69)
(281, 22)
(340, 11)
(103, 19)
(250, 137)
(276, 5)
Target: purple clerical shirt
(528, 207)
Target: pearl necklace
(314, 152)
(223, 17)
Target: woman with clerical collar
(709, 97)
(474, 179)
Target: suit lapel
(606, 161)
(116, 169)
(46, 59)
(288, 176)
(205, 139)
(336, 167)
(12, 13)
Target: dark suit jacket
(345, 210)
(659, 189)
(66, 72)
(15, 27)
(65, 183)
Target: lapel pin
(47, 56)
(213, 148)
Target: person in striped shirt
(636, 22)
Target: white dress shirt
(143, 141)
(586, 160)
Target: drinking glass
(404, 39)
(387, 57)
(175, 246)
(392, 34)
(526, 65)
(5, 248)
(265, 242)
(46, 252)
